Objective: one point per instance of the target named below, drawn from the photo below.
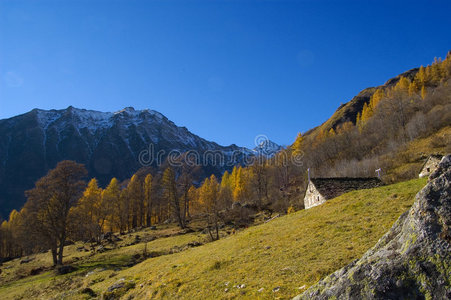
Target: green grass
(291, 252)
(47, 284)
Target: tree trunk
(60, 251)
(180, 219)
(149, 215)
(217, 230)
(211, 235)
(54, 256)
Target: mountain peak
(127, 109)
(267, 147)
(110, 144)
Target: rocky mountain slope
(411, 261)
(109, 144)
(266, 147)
(348, 112)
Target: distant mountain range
(109, 144)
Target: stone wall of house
(312, 197)
(430, 166)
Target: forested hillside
(389, 127)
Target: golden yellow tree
(423, 92)
(148, 198)
(111, 199)
(135, 195)
(413, 88)
(171, 195)
(403, 84)
(421, 77)
(85, 224)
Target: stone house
(430, 165)
(319, 190)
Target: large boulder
(411, 261)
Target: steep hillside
(383, 128)
(278, 259)
(411, 261)
(108, 144)
(348, 112)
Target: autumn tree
(50, 201)
(209, 199)
(111, 202)
(184, 183)
(171, 195)
(260, 180)
(135, 194)
(193, 196)
(148, 198)
(122, 210)
(226, 189)
(85, 216)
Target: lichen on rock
(411, 261)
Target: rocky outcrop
(411, 261)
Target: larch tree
(259, 172)
(421, 77)
(225, 190)
(171, 195)
(193, 196)
(122, 211)
(184, 182)
(148, 198)
(111, 202)
(210, 201)
(135, 195)
(423, 92)
(85, 215)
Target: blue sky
(227, 70)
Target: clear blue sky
(227, 70)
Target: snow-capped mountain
(266, 147)
(110, 144)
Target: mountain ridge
(347, 112)
(108, 143)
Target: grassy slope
(305, 247)
(408, 160)
(289, 252)
(46, 285)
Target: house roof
(334, 187)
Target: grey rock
(411, 261)
(117, 285)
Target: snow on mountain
(108, 143)
(267, 148)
